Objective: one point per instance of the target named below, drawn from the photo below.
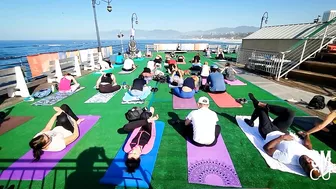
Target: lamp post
(120, 36)
(264, 17)
(108, 8)
(134, 15)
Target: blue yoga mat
(117, 175)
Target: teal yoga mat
(116, 174)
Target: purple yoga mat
(211, 165)
(25, 169)
(184, 103)
(235, 82)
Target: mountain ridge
(174, 34)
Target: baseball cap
(214, 66)
(203, 100)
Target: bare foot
(154, 118)
(151, 109)
(58, 109)
(80, 121)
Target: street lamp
(120, 36)
(134, 15)
(264, 17)
(109, 9)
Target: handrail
(324, 25)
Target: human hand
(287, 137)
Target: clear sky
(73, 19)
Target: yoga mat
(104, 71)
(258, 142)
(181, 62)
(101, 97)
(225, 100)
(148, 147)
(138, 59)
(25, 169)
(184, 103)
(141, 178)
(54, 98)
(126, 72)
(211, 165)
(235, 82)
(12, 122)
(307, 123)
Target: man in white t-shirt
(128, 64)
(204, 130)
(281, 146)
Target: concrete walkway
(281, 91)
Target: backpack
(134, 113)
(42, 93)
(317, 102)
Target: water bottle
(124, 85)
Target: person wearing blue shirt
(119, 59)
(215, 81)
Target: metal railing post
(303, 50)
(280, 68)
(324, 35)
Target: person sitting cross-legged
(107, 83)
(128, 64)
(119, 59)
(282, 146)
(188, 89)
(201, 125)
(215, 82)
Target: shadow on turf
(176, 123)
(228, 117)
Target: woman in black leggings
(107, 83)
(140, 140)
(281, 123)
(56, 139)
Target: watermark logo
(323, 167)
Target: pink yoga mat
(224, 100)
(235, 82)
(148, 147)
(211, 165)
(25, 169)
(184, 103)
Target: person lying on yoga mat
(329, 124)
(107, 83)
(279, 144)
(138, 86)
(176, 79)
(140, 140)
(229, 72)
(220, 55)
(188, 89)
(201, 125)
(56, 139)
(65, 83)
(128, 64)
(119, 59)
(215, 81)
(196, 58)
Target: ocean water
(14, 53)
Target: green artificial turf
(86, 163)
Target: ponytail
(37, 144)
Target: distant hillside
(173, 34)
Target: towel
(253, 135)
(129, 98)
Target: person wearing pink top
(65, 84)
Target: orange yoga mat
(224, 100)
